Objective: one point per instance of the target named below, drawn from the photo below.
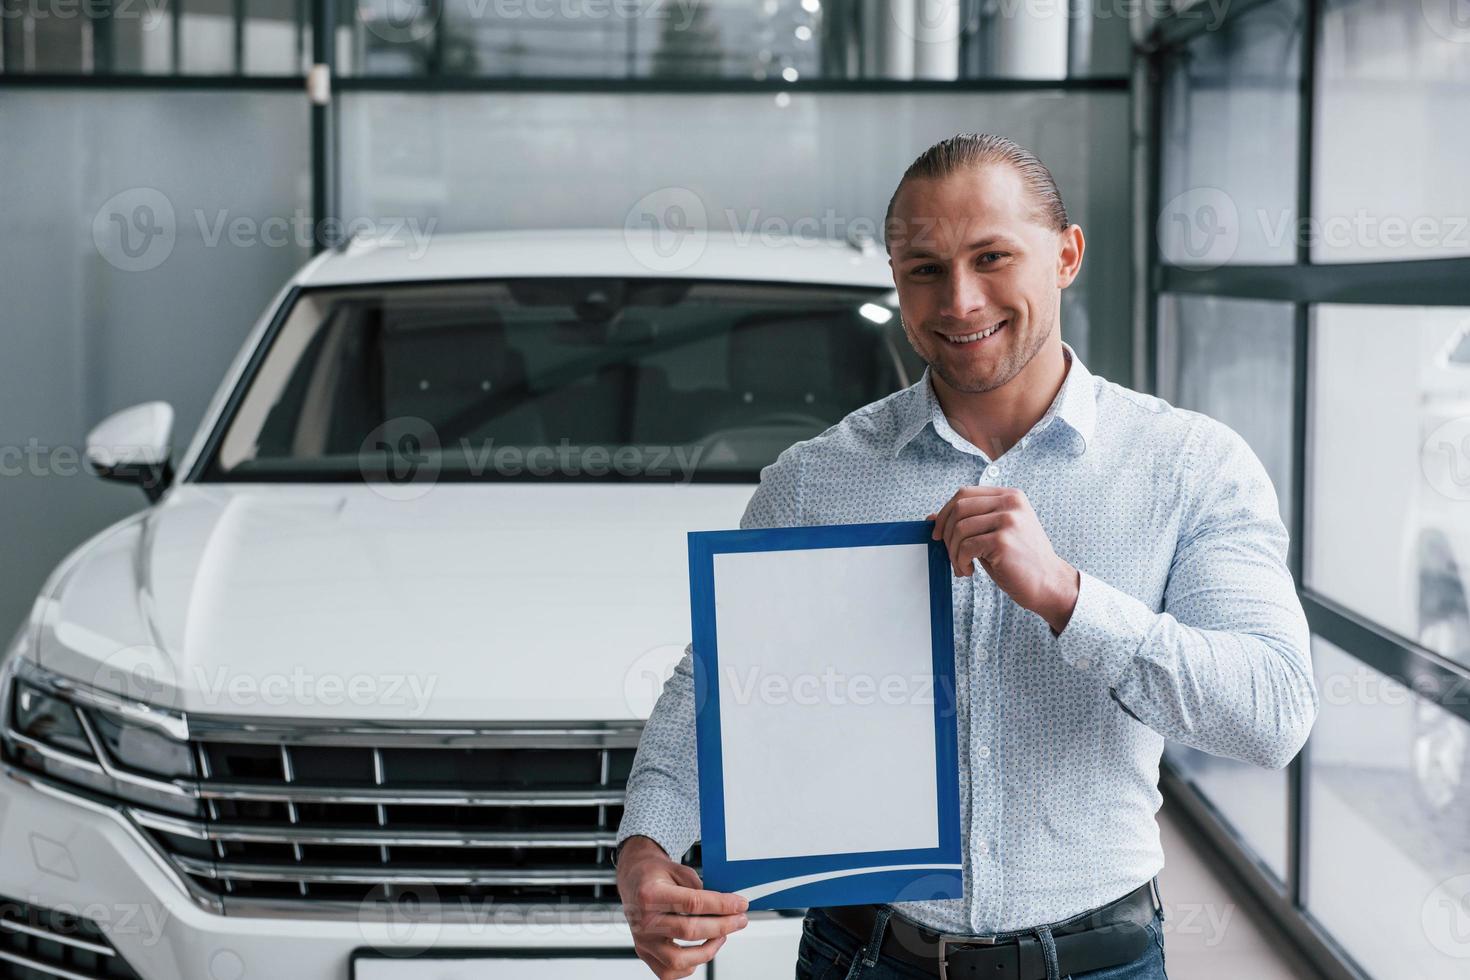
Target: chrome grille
(336, 814)
(36, 942)
(529, 818)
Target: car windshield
(555, 378)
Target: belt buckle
(947, 939)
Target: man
(1120, 579)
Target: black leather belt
(1107, 936)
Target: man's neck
(994, 421)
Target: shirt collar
(1075, 405)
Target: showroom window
(1309, 287)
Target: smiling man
(1119, 578)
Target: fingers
(971, 500)
(669, 896)
(974, 537)
(669, 959)
(693, 927)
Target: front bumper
(85, 859)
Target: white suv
(358, 693)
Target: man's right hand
(665, 900)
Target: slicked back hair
(967, 151)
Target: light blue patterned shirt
(1187, 626)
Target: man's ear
(1069, 256)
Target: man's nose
(965, 296)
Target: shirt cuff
(1107, 628)
(650, 813)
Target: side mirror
(133, 446)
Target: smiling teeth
(969, 337)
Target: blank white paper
(826, 701)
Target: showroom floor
(1210, 931)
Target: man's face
(979, 276)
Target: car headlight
(81, 738)
(143, 749)
(48, 720)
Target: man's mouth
(962, 339)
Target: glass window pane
(1251, 799)
(1231, 359)
(1390, 167)
(207, 37)
(143, 39)
(1231, 108)
(1387, 835)
(148, 263)
(277, 38)
(1389, 504)
(813, 165)
(773, 40)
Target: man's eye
(990, 258)
(927, 269)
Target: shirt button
(992, 471)
(984, 848)
(983, 751)
(1083, 663)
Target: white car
(356, 695)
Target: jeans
(828, 952)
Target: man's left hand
(997, 526)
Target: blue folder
(860, 877)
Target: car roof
(756, 256)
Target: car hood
(471, 602)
